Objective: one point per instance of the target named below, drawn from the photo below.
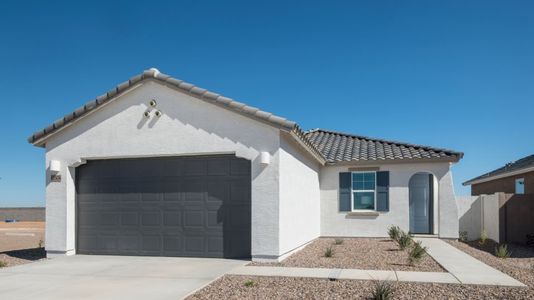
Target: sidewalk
(464, 267)
(461, 268)
(334, 274)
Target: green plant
(329, 252)
(338, 242)
(3, 264)
(463, 236)
(405, 240)
(416, 253)
(394, 232)
(501, 251)
(249, 283)
(483, 237)
(40, 244)
(383, 291)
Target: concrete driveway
(112, 277)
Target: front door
(421, 203)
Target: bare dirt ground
(21, 242)
(21, 235)
(357, 253)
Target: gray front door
(174, 206)
(421, 203)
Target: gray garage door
(173, 206)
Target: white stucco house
(158, 166)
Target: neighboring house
(502, 204)
(513, 178)
(157, 166)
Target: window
(363, 190)
(520, 186)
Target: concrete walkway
(334, 274)
(462, 269)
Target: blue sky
(453, 74)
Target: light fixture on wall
(55, 166)
(147, 114)
(265, 158)
(158, 113)
(153, 103)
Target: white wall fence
(478, 213)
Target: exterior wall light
(158, 113)
(265, 158)
(55, 166)
(147, 114)
(153, 103)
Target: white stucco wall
(188, 126)
(299, 197)
(335, 223)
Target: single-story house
(513, 178)
(157, 166)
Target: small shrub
(383, 291)
(3, 264)
(501, 251)
(416, 253)
(394, 232)
(483, 237)
(405, 240)
(463, 236)
(249, 283)
(328, 252)
(338, 242)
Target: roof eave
(477, 180)
(39, 138)
(394, 161)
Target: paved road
(111, 277)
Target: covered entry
(170, 206)
(421, 188)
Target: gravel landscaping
(356, 253)
(250, 287)
(20, 257)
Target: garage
(195, 206)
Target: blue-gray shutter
(344, 191)
(382, 191)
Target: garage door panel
(194, 167)
(128, 243)
(172, 218)
(189, 206)
(193, 218)
(151, 242)
(220, 166)
(151, 219)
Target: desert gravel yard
(234, 287)
(356, 253)
(520, 266)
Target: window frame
(516, 181)
(352, 191)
